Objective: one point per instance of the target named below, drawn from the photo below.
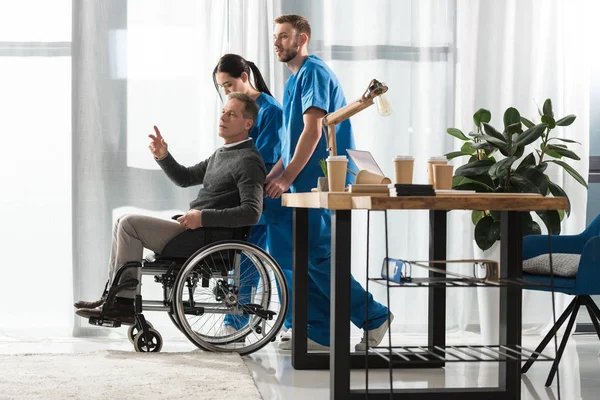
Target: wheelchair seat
(182, 246)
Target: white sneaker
(375, 336)
(285, 335)
(311, 345)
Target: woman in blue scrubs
(274, 230)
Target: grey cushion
(563, 264)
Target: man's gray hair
(250, 107)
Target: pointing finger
(157, 132)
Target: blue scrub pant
(319, 284)
(276, 238)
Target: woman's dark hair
(234, 65)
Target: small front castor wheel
(133, 331)
(151, 342)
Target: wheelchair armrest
(535, 245)
(588, 274)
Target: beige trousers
(133, 233)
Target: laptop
(364, 160)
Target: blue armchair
(585, 283)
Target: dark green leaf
(457, 133)
(476, 216)
(463, 183)
(548, 120)
(530, 227)
(538, 178)
(482, 115)
(522, 184)
(542, 167)
(487, 231)
(571, 171)
(473, 158)
(564, 140)
(501, 167)
(467, 148)
(455, 154)
(527, 122)
(563, 152)
(511, 117)
(551, 219)
(557, 191)
(553, 154)
(527, 161)
(566, 121)
(514, 128)
(530, 135)
(491, 131)
(548, 108)
(479, 167)
(518, 151)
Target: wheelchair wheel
(152, 344)
(133, 331)
(230, 296)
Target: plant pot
(488, 299)
(323, 184)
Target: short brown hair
(298, 22)
(250, 107)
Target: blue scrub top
(314, 85)
(266, 130)
(266, 134)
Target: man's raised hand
(158, 147)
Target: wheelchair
(211, 278)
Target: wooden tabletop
(447, 201)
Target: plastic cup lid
(404, 158)
(438, 158)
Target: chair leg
(594, 320)
(550, 335)
(563, 343)
(594, 307)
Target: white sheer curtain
(35, 205)
(512, 53)
(137, 64)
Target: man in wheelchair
(231, 197)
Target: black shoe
(118, 312)
(89, 304)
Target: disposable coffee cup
(336, 172)
(430, 163)
(442, 176)
(403, 166)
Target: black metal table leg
(300, 289)
(511, 261)
(437, 295)
(341, 224)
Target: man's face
(285, 40)
(232, 122)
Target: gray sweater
(233, 179)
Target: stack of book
(411, 190)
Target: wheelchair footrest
(104, 322)
(258, 310)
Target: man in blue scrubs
(312, 91)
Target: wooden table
(340, 360)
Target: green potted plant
(498, 163)
(323, 181)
